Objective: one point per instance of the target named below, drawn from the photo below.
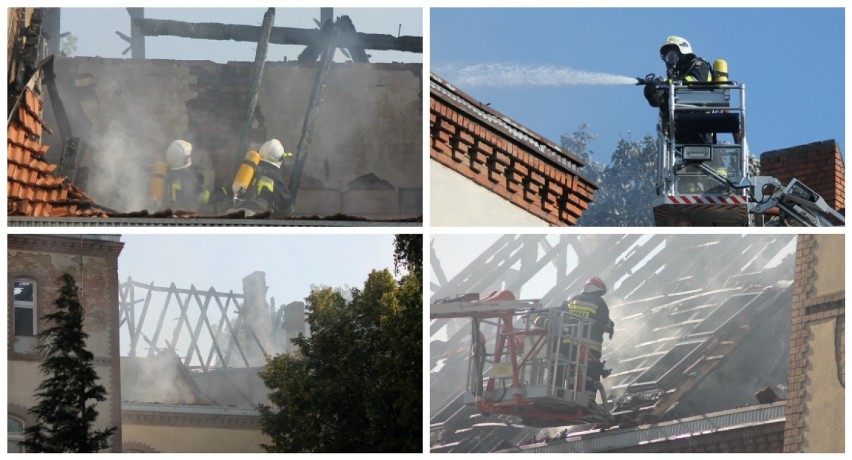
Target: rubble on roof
(693, 334)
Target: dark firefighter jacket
(690, 69)
(269, 191)
(184, 189)
(588, 305)
(591, 305)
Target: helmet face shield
(671, 56)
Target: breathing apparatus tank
(246, 172)
(720, 71)
(158, 184)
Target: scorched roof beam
(279, 36)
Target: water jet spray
(502, 75)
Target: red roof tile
(31, 188)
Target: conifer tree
(65, 412)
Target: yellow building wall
(170, 439)
(24, 377)
(829, 267)
(824, 428)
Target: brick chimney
(818, 165)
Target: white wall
(456, 201)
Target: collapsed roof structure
(210, 343)
(84, 133)
(702, 323)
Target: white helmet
(272, 152)
(178, 155)
(678, 43)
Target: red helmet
(597, 282)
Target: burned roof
(115, 117)
(701, 324)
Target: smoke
(135, 113)
(503, 75)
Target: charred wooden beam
(137, 39)
(279, 35)
(313, 108)
(348, 34)
(256, 76)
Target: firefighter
(184, 184)
(267, 190)
(682, 65)
(589, 303)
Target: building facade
(816, 377)
(34, 265)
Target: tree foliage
(65, 413)
(408, 252)
(356, 383)
(626, 190)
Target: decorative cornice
(190, 416)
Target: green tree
(65, 413)
(578, 144)
(408, 252)
(626, 190)
(356, 383)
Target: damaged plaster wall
(367, 135)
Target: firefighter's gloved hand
(610, 328)
(651, 93)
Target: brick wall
(499, 159)
(43, 258)
(766, 438)
(810, 308)
(818, 165)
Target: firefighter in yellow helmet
(267, 190)
(184, 183)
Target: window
(15, 431)
(25, 308)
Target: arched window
(15, 432)
(24, 319)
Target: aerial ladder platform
(522, 373)
(703, 174)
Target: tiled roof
(31, 187)
(505, 157)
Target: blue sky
(791, 60)
(292, 262)
(95, 31)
